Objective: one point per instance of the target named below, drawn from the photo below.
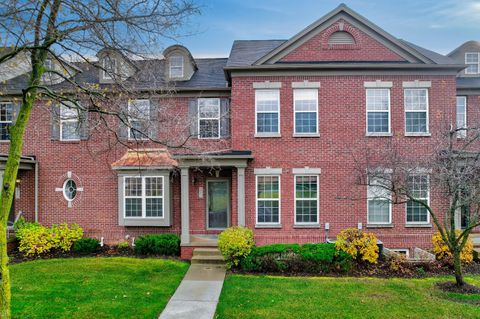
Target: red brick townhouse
(274, 117)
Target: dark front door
(218, 204)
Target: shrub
(161, 244)
(63, 236)
(123, 246)
(358, 244)
(441, 251)
(318, 252)
(235, 243)
(86, 246)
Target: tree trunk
(457, 263)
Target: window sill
(4, 141)
(379, 134)
(69, 141)
(418, 134)
(379, 226)
(418, 225)
(306, 135)
(267, 135)
(274, 226)
(306, 226)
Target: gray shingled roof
(468, 83)
(150, 76)
(434, 56)
(247, 52)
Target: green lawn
(316, 297)
(94, 287)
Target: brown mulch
(450, 286)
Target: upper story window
(143, 196)
(176, 66)
(268, 199)
(69, 123)
(6, 119)
(208, 118)
(378, 111)
(461, 116)
(418, 186)
(472, 60)
(267, 109)
(139, 119)
(109, 67)
(306, 199)
(416, 111)
(306, 111)
(341, 37)
(379, 206)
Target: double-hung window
(418, 188)
(267, 112)
(209, 118)
(378, 111)
(176, 66)
(143, 196)
(109, 67)
(306, 199)
(139, 119)
(268, 199)
(69, 122)
(379, 206)
(461, 116)
(416, 111)
(306, 111)
(472, 60)
(6, 119)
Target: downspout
(36, 191)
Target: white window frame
(2, 103)
(300, 199)
(144, 135)
(295, 92)
(472, 63)
(143, 197)
(266, 134)
(427, 132)
(68, 120)
(113, 61)
(389, 111)
(402, 250)
(208, 118)
(64, 190)
(376, 198)
(428, 202)
(267, 199)
(180, 65)
(461, 133)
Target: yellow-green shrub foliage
(235, 243)
(358, 244)
(441, 251)
(63, 237)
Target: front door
(218, 204)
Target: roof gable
(341, 18)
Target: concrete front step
(207, 256)
(215, 252)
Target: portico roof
(159, 158)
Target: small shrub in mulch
(451, 286)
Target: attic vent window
(109, 68)
(341, 37)
(176, 66)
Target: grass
(318, 297)
(94, 287)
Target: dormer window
(176, 66)
(109, 68)
(472, 60)
(341, 37)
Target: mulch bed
(451, 286)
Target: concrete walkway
(198, 293)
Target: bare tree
(43, 33)
(450, 169)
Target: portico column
(185, 209)
(241, 195)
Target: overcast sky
(439, 25)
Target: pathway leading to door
(198, 293)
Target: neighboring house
(272, 128)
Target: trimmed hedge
(295, 258)
(161, 244)
(86, 246)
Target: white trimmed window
(416, 111)
(461, 116)
(306, 111)
(109, 67)
(472, 60)
(306, 199)
(143, 196)
(6, 119)
(69, 123)
(209, 118)
(176, 66)
(139, 119)
(379, 205)
(378, 111)
(268, 199)
(267, 111)
(418, 186)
